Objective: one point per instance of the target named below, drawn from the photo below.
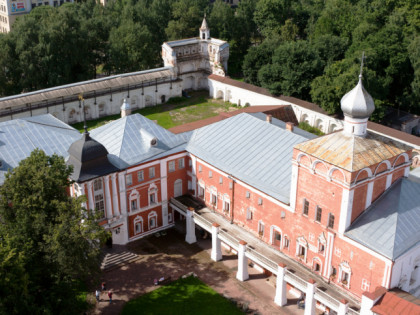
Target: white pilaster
(242, 273)
(108, 198)
(115, 195)
(123, 197)
(346, 210)
(190, 236)
(293, 188)
(194, 174)
(310, 301)
(165, 213)
(281, 290)
(343, 307)
(329, 251)
(90, 196)
(369, 195)
(216, 249)
(388, 180)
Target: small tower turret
(357, 106)
(125, 109)
(204, 30)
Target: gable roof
(251, 149)
(353, 153)
(391, 225)
(19, 137)
(129, 140)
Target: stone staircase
(114, 260)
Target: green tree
(53, 240)
(186, 18)
(221, 20)
(270, 15)
(294, 66)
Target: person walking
(103, 286)
(97, 293)
(110, 296)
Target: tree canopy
(50, 243)
(74, 42)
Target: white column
(194, 174)
(343, 307)
(281, 290)
(329, 251)
(165, 213)
(346, 210)
(115, 194)
(90, 196)
(123, 197)
(368, 302)
(164, 191)
(216, 249)
(388, 180)
(310, 301)
(369, 194)
(242, 273)
(108, 198)
(190, 236)
(293, 188)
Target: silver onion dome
(357, 103)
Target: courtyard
(170, 256)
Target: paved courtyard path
(169, 255)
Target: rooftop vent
(153, 142)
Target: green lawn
(305, 126)
(177, 111)
(184, 296)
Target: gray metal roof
(85, 86)
(251, 150)
(129, 140)
(19, 137)
(391, 226)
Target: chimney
(290, 126)
(269, 118)
(125, 109)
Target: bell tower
(204, 30)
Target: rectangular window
(321, 248)
(99, 205)
(286, 243)
(226, 206)
(128, 180)
(97, 185)
(152, 222)
(133, 204)
(365, 285)
(171, 167)
(151, 172)
(302, 252)
(213, 199)
(152, 198)
(189, 162)
(220, 180)
(140, 176)
(230, 185)
(181, 163)
(200, 168)
(345, 278)
(261, 228)
(305, 206)
(210, 174)
(249, 214)
(260, 201)
(248, 194)
(138, 228)
(318, 214)
(200, 191)
(331, 221)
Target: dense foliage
(310, 49)
(49, 243)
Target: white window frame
(226, 204)
(213, 196)
(305, 201)
(286, 242)
(248, 194)
(201, 193)
(365, 285)
(318, 261)
(328, 222)
(261, 228)
(221, 180)
(128, 180)
(152, 172)
(152, 215)
(260, 201)
(302, 245)
(138, 220)
(171, 166)
(322, 241)
(99, 197)
(200, 168)
(210, 174)
(344, 268)
(152, 191)
(140, 176)
(181, 163)
(134, 196)
(249, 214)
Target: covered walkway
(247, 246)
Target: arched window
(317, 265)
(152, 218)
(226, 204)
(301, 248)
(98, 193)
(152, 195)
(138, 225)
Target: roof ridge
(123, 135)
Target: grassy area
(177, 111)
(309, 128)
(184, 296)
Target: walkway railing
(326, 299)
(262, 260)
(228, 239)
(295, 281)
(204, 223)
(351, 311)
(179, 205)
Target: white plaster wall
(403, 268)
